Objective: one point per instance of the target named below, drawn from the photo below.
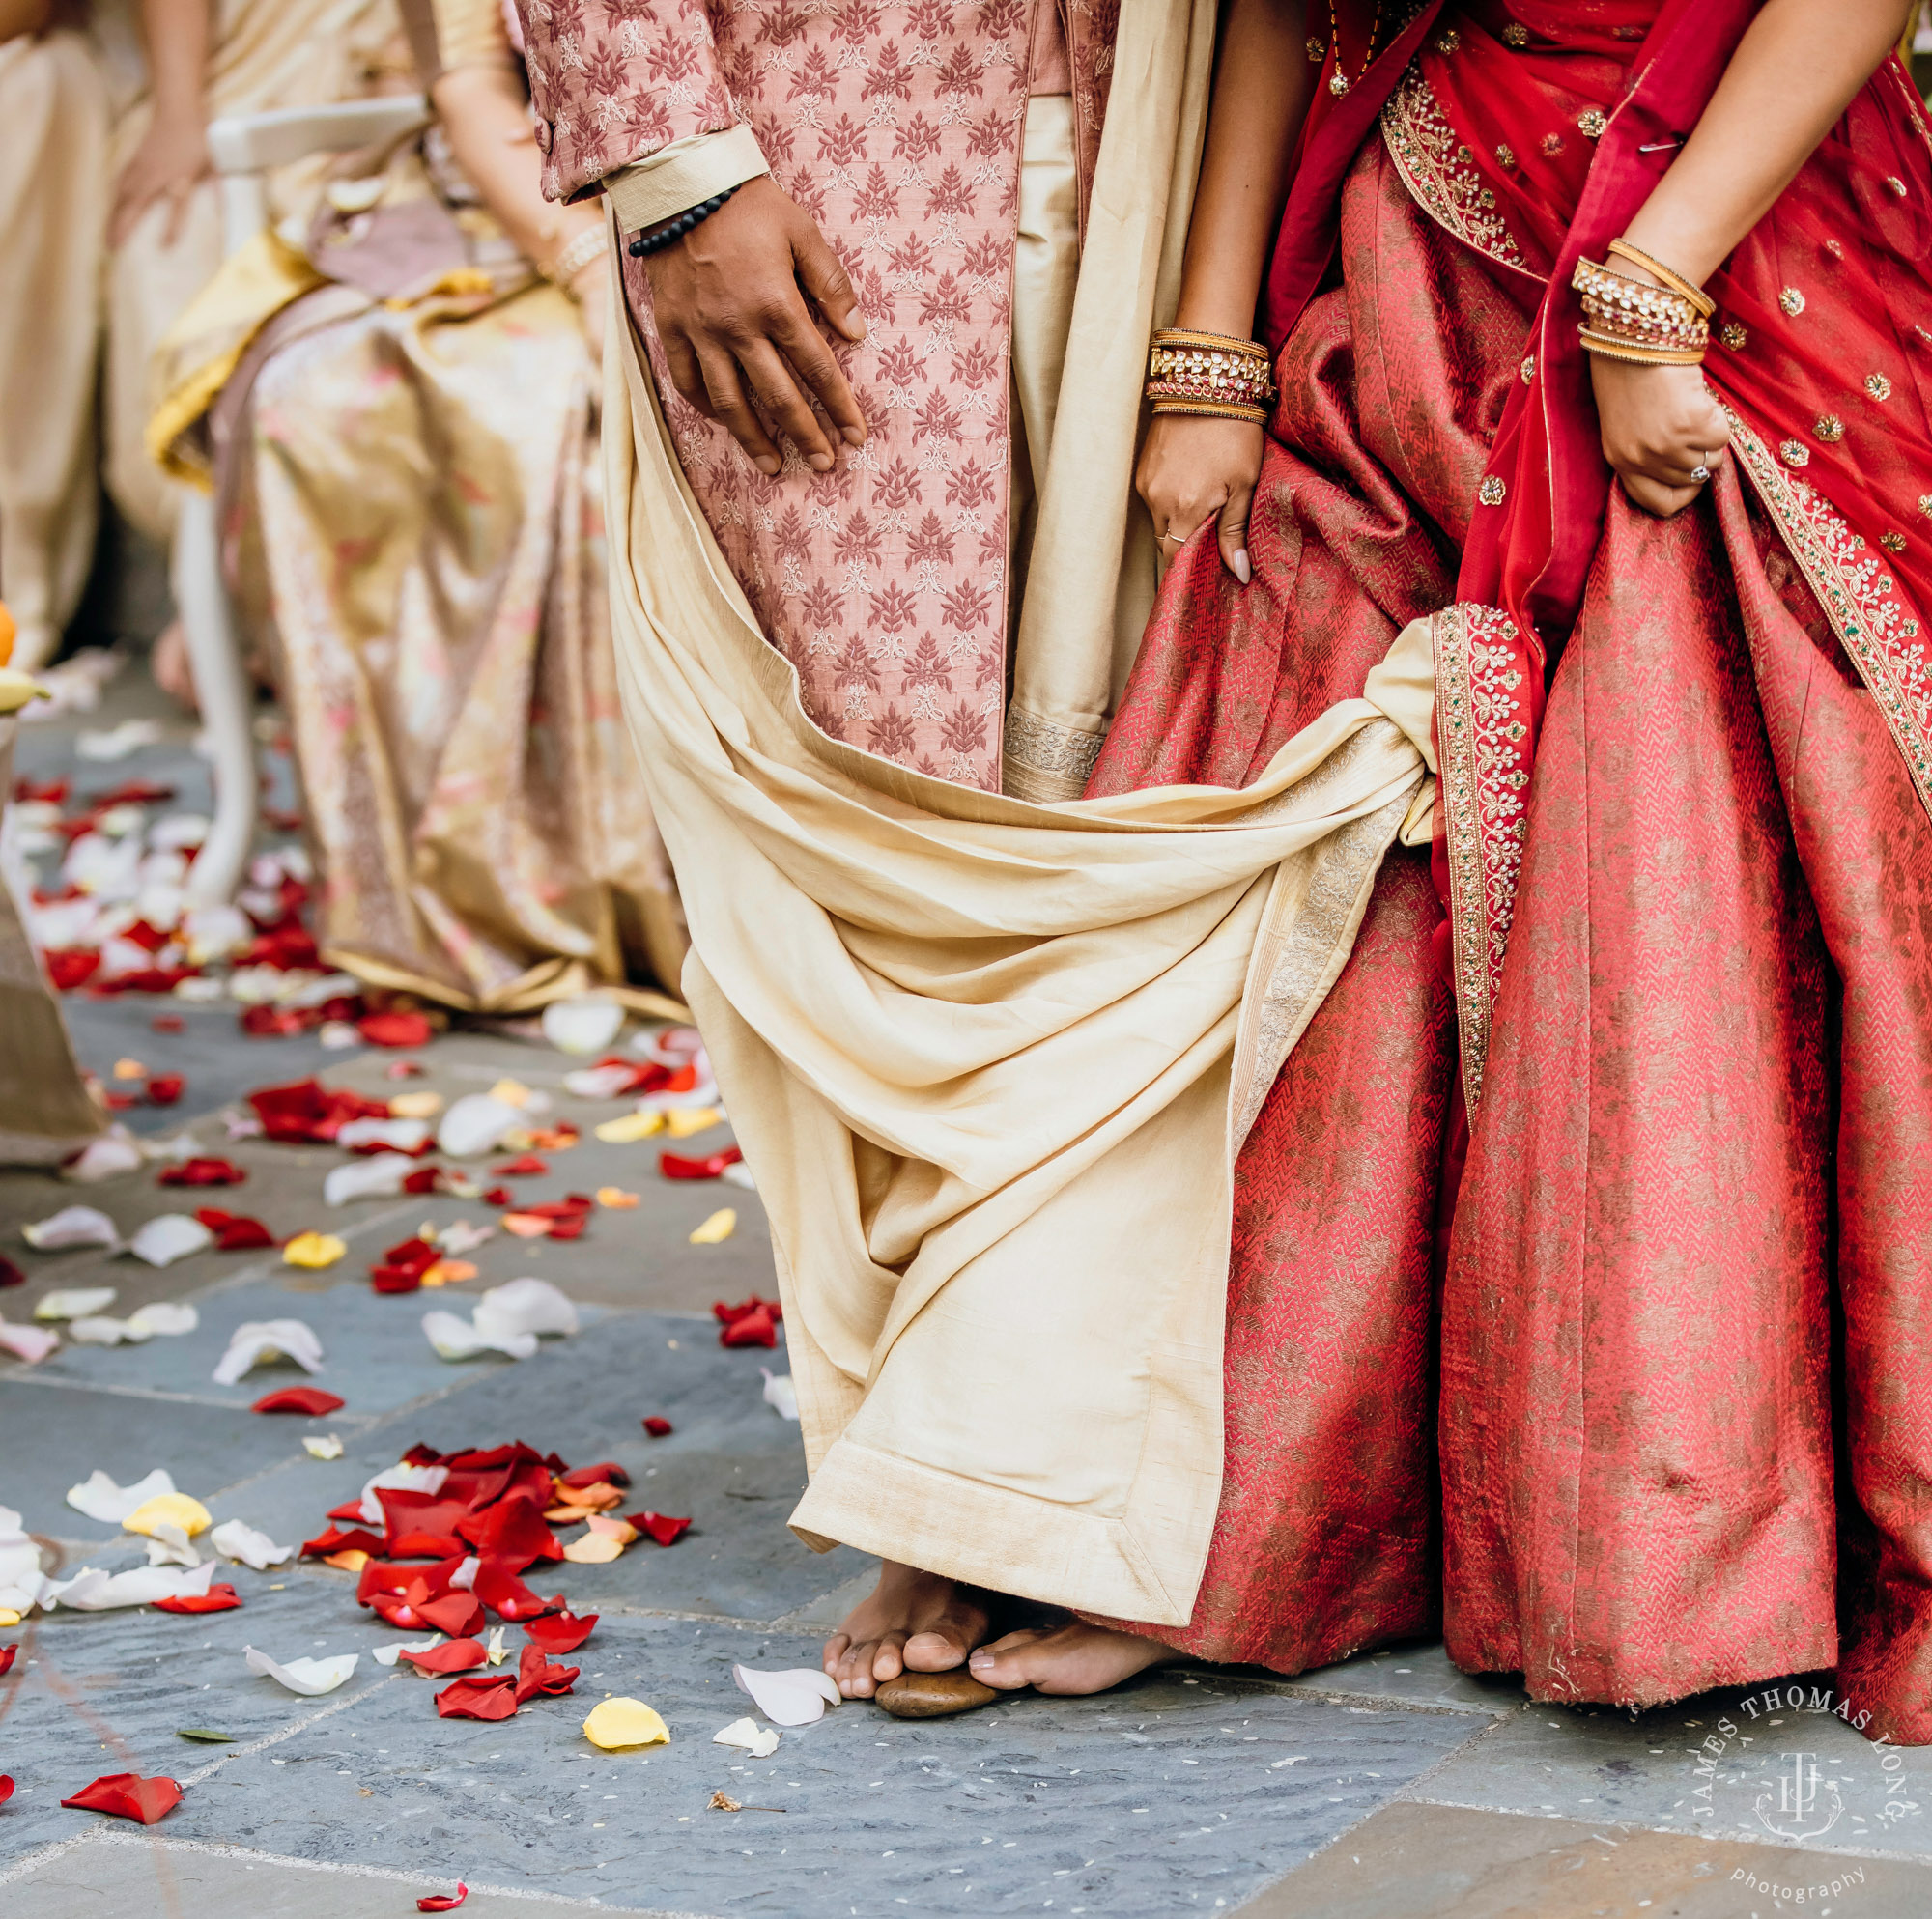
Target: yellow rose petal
(9, 1617)
(130, 1069)
(169, 1509)
(616, 1197)
(313, 1248)
(684, 1122)
(606, 1528)
(629, 1130)
(414, 1105)
(721, 1225)
(617, 1723)
(351, 1561)
(593, 1549)
(512, 1093)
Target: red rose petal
(203, 1173)
(664, 1529)
(537, 1673)
(505, 1594)
(10, 1274)
(457, 1613)
(129, 1796)
(7, 1653)
(512, 1534)
(479, 1699)
(399, 1029)
(529, 1167)
(560, 1632)
(500, 1196)
(755, 1329)
(420, 1525)
(305, 1112)
(165, 1089)
(219, 1599)
(674, 1166)
(658, 1428)
(453, 1655)
(424, 1179)
(334, 1540)
(6, 1788)
(310, 1400)
(443, 1901)
(403, 1070)
(168, 1023)
(606, 1473)
(234, 1232)
(727, 1313)
(73, 968)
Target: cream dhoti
(990, 1062)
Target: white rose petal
(249, 1345)
(378, 1179)
(760, 1741)
(310, 1677)
(234, 1538)
(72, 1225)
(794, 1698)
(168, 1237)
(100, 1498)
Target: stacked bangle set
(1626, 319)
(1210, 374)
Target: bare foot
(913, 1622)
(1072, 1659)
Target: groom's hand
(737, 301)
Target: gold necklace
(1338, 82)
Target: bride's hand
(1193, 468)
(1659, 425)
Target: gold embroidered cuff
(676, 178)
(1211, 374)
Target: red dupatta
(1534, 133)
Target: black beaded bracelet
(656, 241)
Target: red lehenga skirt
(1683, 1390)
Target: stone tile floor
(1389, 1788)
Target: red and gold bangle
(1213, 375)
(1630, 320)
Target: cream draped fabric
(990, 1062)
(53, 223)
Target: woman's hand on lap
(1194, 467)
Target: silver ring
(1699, 475)
(1179, 540)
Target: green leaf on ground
(206, 1738)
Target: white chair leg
(222, 686)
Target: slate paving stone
(54, 1436)
(95, 1693)
(1440, 1862)
(1657, 1769)
(1205, 1789)
(1418, 1674)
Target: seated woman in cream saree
(400, 416)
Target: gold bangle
(1638, 352)
(1214, 410)
(1187, 336)
(1187, 364)
(1675, 281)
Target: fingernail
(820, 463)
(1243, 572)
(854, 435)
(765, 464)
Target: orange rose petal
(350, 1562)
(527, 1226)
(616, 1197)
(620, 1530)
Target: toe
(1004, 1663)
(889, 1656)
(836, 1649)
(934, 1651)
(854, 1676)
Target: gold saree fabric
(53, 221)
(421, 501)
(263, 54)
(991, 1062)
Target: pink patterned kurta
(897, 129)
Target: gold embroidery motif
(1877, 626)
(1318, 52)
(1830, 427)
(1506, 153)
(1792, 302)
(1449, 42)
(1439, 172)
(1529, 369)
(1892, 542)
(1897, 185)
(1515, 34)
(1733, 334)
(1795, 453)
(1493, 491)
(1591, 123)
(1552, 144)
(1046, 761)
(1481, 733)
(1878, 386)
